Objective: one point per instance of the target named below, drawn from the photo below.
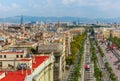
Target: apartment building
(18, 66)
(107, 32)
(110, 32)
(116, 33)
(59, 54)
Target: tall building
(21, 20)
(59, 54)
(58, 27)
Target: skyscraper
(21, 20)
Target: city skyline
(59, 8)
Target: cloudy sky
(58, 8)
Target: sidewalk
(66, 73)
(111, 58)
(82, 65)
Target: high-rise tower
(21, 20)
(21, 24)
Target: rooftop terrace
(19, 75)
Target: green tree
(33, 50)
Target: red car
(86, 67)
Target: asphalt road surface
(88, 73)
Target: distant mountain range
(17, 19)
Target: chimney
(34, 60)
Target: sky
(59, 8)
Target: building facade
(17, 65)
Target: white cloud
(68, 1)
(60, 7)
(14, 5)
(12, 9)
(4, 8)
(7, 8)
(101, 4)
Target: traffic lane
(87, 62)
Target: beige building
(98, 34)
(76, 31)
(44, 72)
(18, 66)
(59, 54)
(110, 32)
(68, 38)
(116, 33)
(107, 32)
(10, 58)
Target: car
(87, 67)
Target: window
(4, 56)
(0, 56)
(0, 64)
(21, 56)
(17, 56)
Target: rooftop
(2, 38)
(19, 75)
(12, 52)
(52, 47)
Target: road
(101, 65)
(88, 74)
(111, 58)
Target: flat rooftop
(12, 52)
